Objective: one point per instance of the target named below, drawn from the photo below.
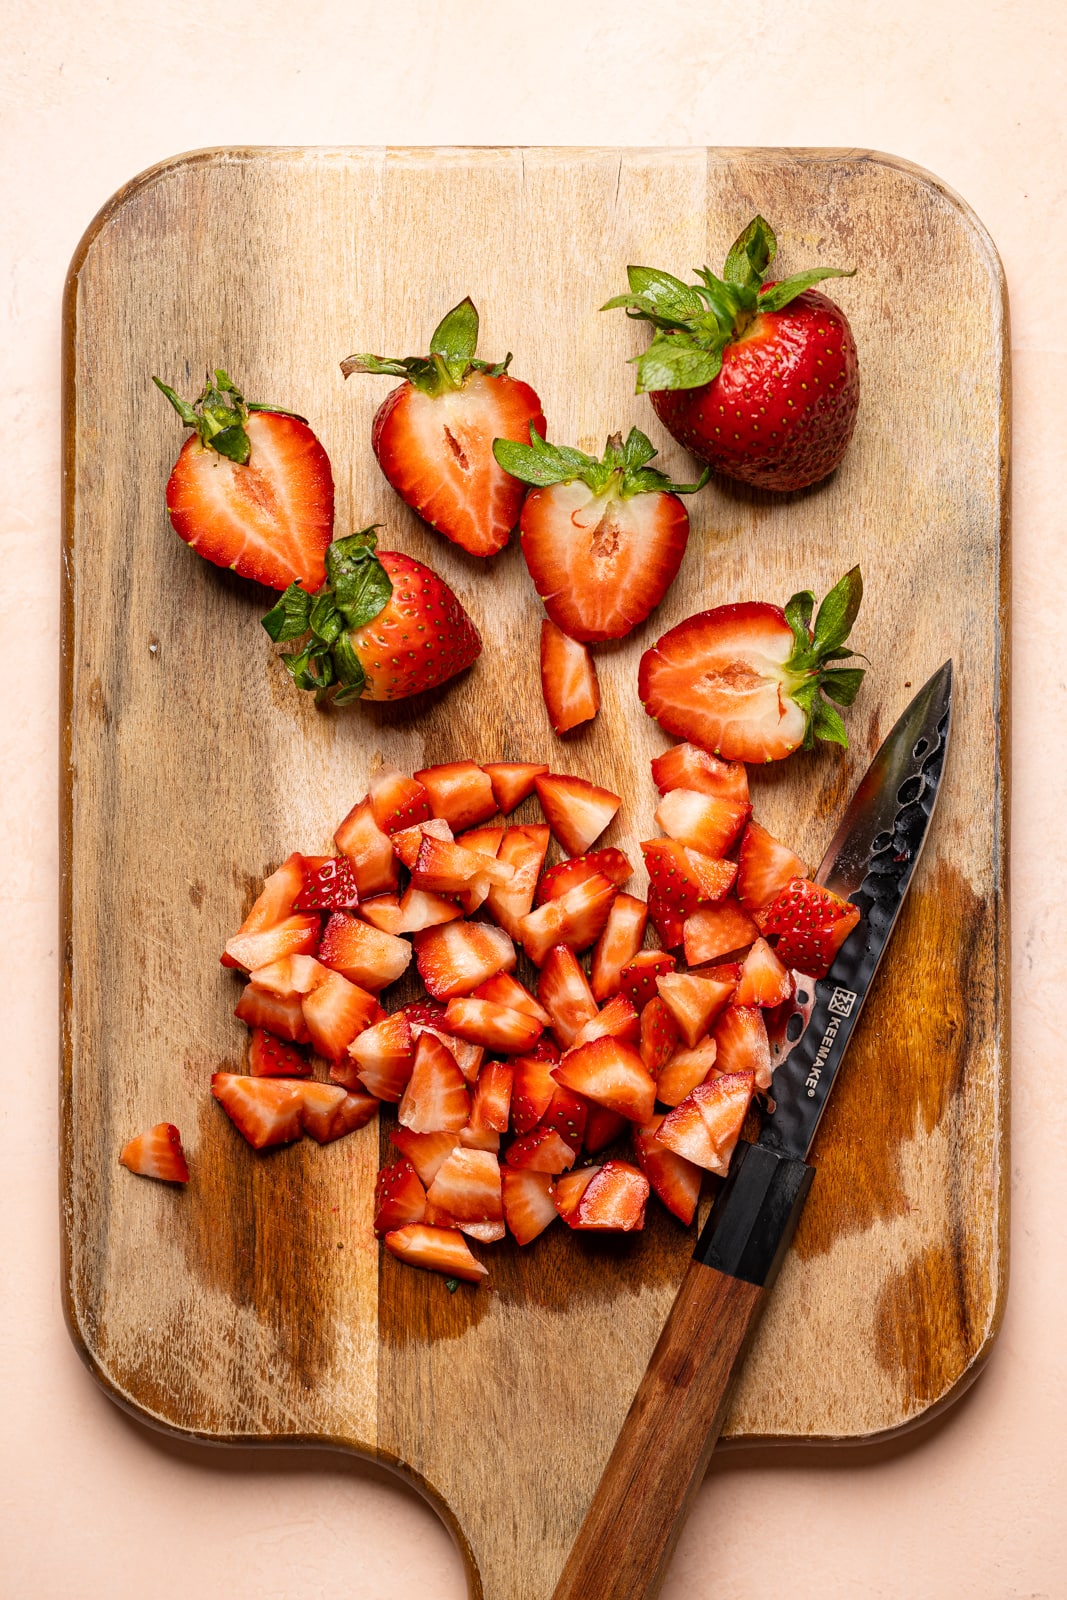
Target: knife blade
(625, 1543)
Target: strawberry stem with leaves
(451, 358)
(219, 414)
(623, 467)
(357, 589)
(815, 648)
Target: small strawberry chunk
(617, 1019)
(467, 1186)
(491, 1102)
(764, 867)
(568, 679)
(660, 1036)
(533, 1087)
(602, 1127)
(576, 919)
(685, 1070)
(266, 1111)
(269, 1057)
(399, 1197)
(544, 1150)
(460, 792)
(714, 931)
(703, 821)
(528, 1205)
(637, 980)
(398, 801)
(329, 885)
(494, 1026)
(407, 843)
(811, 923)
(420, 910)
(456, 957)
(362, 954)
(435, 1099)
(704, 1128)
(567, 1114)
(675, 1180)
(613, 1200)
(436, 1249)
(295, 935)
(506, 990)
(383, 911)
(275, 904)
(382, 1057)
(741, 1039)
(763, 981)
(694, 1001)
(567, 1192)
(524, 849)
(157, 1154)
(686, 766)
(513, 782)
(335, 1011)
(368, 849)
(425, 1151)
(619, 942)
(282, 1017)
(446, 867)
(609, 863)
(330, 1111)
(563, 989)
(612, 1073)
(576, 810)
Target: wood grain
(255, 1305)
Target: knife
(625, 1543)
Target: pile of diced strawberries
(503, 1089)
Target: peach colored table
(92, 1503)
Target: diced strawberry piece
(456, 957)
(741, 1040)
(576, 810)
(420, 910)
(665, 918)
(399, 1197)
(609, 863)
(613, 1200)
(480, 1138)
(382, 1056)
(266, 1111)
(618, 944)
(484, 1232)
(335, 1011)
(435, 1099)
(295, 935)
(685, 876)
(368, 849)
(445, 867)
(660, 1037)
(437, 1249)
(563, 989)
(686, 766)
(715, 931)
(528, 1205)
(602, 1127)
(612, 1073)
(685, 1070)
(524, 849)
(425, 1151)
(491, 1102)
(704, 1128)
(268, 1057)
(157, 1154)
(330, 1111)
(576, 919)
(703, 821)
(764, 981)
(566, 1114)
(275, 904)
(812, 923)
(467, 1186)
(568, 1190)
(544, 1150)
(512, 782)
(496, 1027)
(694, 1001)
(383, 911)
(637, 980)
(675, 1180)
(617, 1019)
(329, 885)
(290, 975)
(363, 954)
(284, 1018)
(467, 1056)
(398, 801)
(407, 843)
(485, 840)
(506, 990)
(460, 792)
(533, 1087)
(568, 679)
(764, 867)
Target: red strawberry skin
(270, 519)
(602, 562)
(437, 452)
(421, 637)
(782, 410)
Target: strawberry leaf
(666, 296)
(676, 361)
(798, 612)
(826, 724)
(455, 338)
(623, 470)
(838, 612)
(361, 585)
(291, 616)
(751, 254)
(842, 684)
(349, 670)
(776, 298)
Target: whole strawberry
(252, 488)
(383, 627)
(433, 436)
(760, 380)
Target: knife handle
(630, 1530)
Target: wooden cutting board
(255, 1304)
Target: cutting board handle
(625, 1543)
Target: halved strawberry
(603, 539)
(617, 1019)
(569, 683)
(576, 919)
(714, 931)
(437, 1249)
(612, 1073)
(609, 863)
(741, 1040)
(563, 989)
(407, 842)
(686, 766)
(383, 1056)
(456, 957)
(576, 810)
(329, 885)
(467, 1186)
(335, 1011)
(618, 944)
(368, 849)
(268, 1057)
(675, 1180)
(419, 910)
(764, 868)
(637, 980)
(295, 935)
(506, 990)
(282, 1017)
(512, 782)
(460, 793)
(544, 1150)
(812, 924)
(613, 1200)
(685, 1070)
(330, 1111)
(528, 1206)
(362, 954)
(266, 1111)
(383, 911)
(157, 1154)
(524, 849)
(763, 981)
(694, 1000)
(705, 821)
(252, 488)
(660, 1036)
(491, 1101)
(425, 1151)
(433, 436)
(602, 1127)
(704, 1128)
(531, 1094)
(494, 1026)
(399, 1197)
(398, 801)
(435, 1099)
(747, 681)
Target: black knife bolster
(757, 1209)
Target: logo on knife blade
(842, 1001)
